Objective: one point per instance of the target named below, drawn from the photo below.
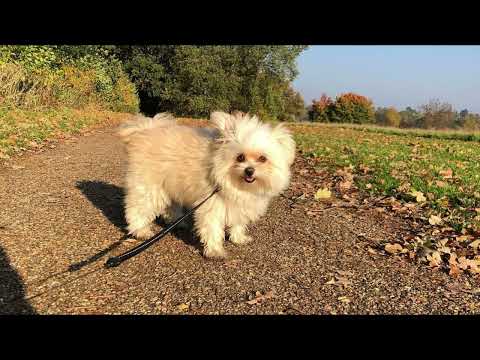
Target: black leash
(117, 260)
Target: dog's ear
(283, 136)
(222, 121)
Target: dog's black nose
(249, 171)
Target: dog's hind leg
(141, 209)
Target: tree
(409, 118)
(294, 106)
(353, 108)
(463, 114)
(380, 115)
(392, 117)
(437, 115)
(321, 109)
(194, 80)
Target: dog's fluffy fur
(172, 166)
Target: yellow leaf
(418, 196)
(344, 299)
(183, 307)
(475, 244)
(435, 220)
(323, 194)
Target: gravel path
(61, 217)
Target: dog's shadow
(109, 199)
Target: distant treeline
(357, 109)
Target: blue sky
(397, 76)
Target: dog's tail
(140, 123)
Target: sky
(398, 76)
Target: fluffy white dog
(172, 166)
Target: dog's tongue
(249, 179)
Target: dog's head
(252, 156)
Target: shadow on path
(109, 199)
(12, 291)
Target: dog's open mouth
(249, 179)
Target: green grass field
(410, 165)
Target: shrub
(353, 108)
(388, 117)
(471, 122)
(50, 76)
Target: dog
(172, 167)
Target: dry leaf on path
(323, 194)
(183, 307)
(393, 248)
(260, 298)
(434, 259)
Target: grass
(23, 129)
(399, 163)
(430, 134)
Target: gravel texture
(61, 217)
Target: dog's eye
(241, 158)
(262, 158)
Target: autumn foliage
(347, 108)
(321, 109)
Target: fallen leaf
(435, 220)
(344, 185)
(475, 244)
(260, 298)
(344, 273)
(372, 251)
(419, 197)
(454, 269)
(393, 248)
(344, 299)
(183, 307)
(447, 174)
(434, 259)
(463, 238)
(323, 194)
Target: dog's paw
(241, 240)
(143, 234)
(215, 253)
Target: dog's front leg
(210, 227)
(238, 235)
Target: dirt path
(61, 217)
